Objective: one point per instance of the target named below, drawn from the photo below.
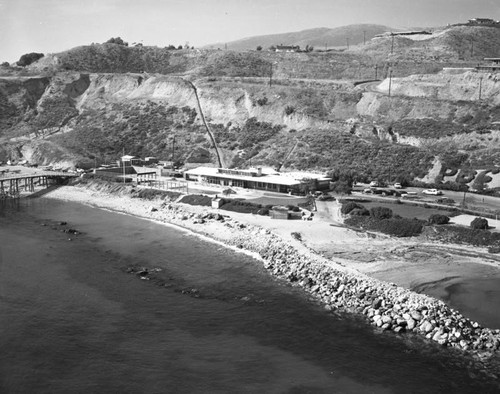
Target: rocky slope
(298, 111)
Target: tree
(259, 48)
(479, 224)
(117, 41)
(341, 187)
(308, 185)
(309, 48)
(28, 58)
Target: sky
(51, 26)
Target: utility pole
(376, 69)
(173, 152)
(271, 75)
(123, 163)
(471, 47)
(390, 81)
(392, 43)
(480, 86)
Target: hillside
(318, 38)
(451, 44)
(288, 110)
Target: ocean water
(208, 320)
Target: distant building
(287, 48)
(258, 179)
(494, 65)
(150, 160)
(482, 21)
(129, 160)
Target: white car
(373, 184)
(397, 185)
(433, 192)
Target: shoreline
(336, 286)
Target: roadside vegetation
(436, 228)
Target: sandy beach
(382, 278)
(407, 262)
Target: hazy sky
(51, 26)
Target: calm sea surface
(210, 320)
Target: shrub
(196, 199)
(380, 213)
(241, 206)
(263, 211)
(360, 212)
(494, 249)
(262, 101)
(117, 40)
(400, 227)
(289, 110)
(438, 219)
(349, 206)
(28, 58)
(479, 224)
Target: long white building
(258, 179)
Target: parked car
(397, 185)
(433, 192)
(409, 194)
(374, 184)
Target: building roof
(128, 157)
(286, 179)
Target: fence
(181, 187)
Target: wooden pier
(12, 183)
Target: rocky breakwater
(384, 305)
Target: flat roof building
(258, 179)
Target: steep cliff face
(79, 119)
(67, 109)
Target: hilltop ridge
(318, 37)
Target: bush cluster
(380, 213)
(349, 206)
(439, 219)
(197, 199)
(479, 224)
(464, 235)
(242, 206)
(396, 226)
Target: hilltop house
(494, 65)
(258, 179)
(287, 48)
(483, 21)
